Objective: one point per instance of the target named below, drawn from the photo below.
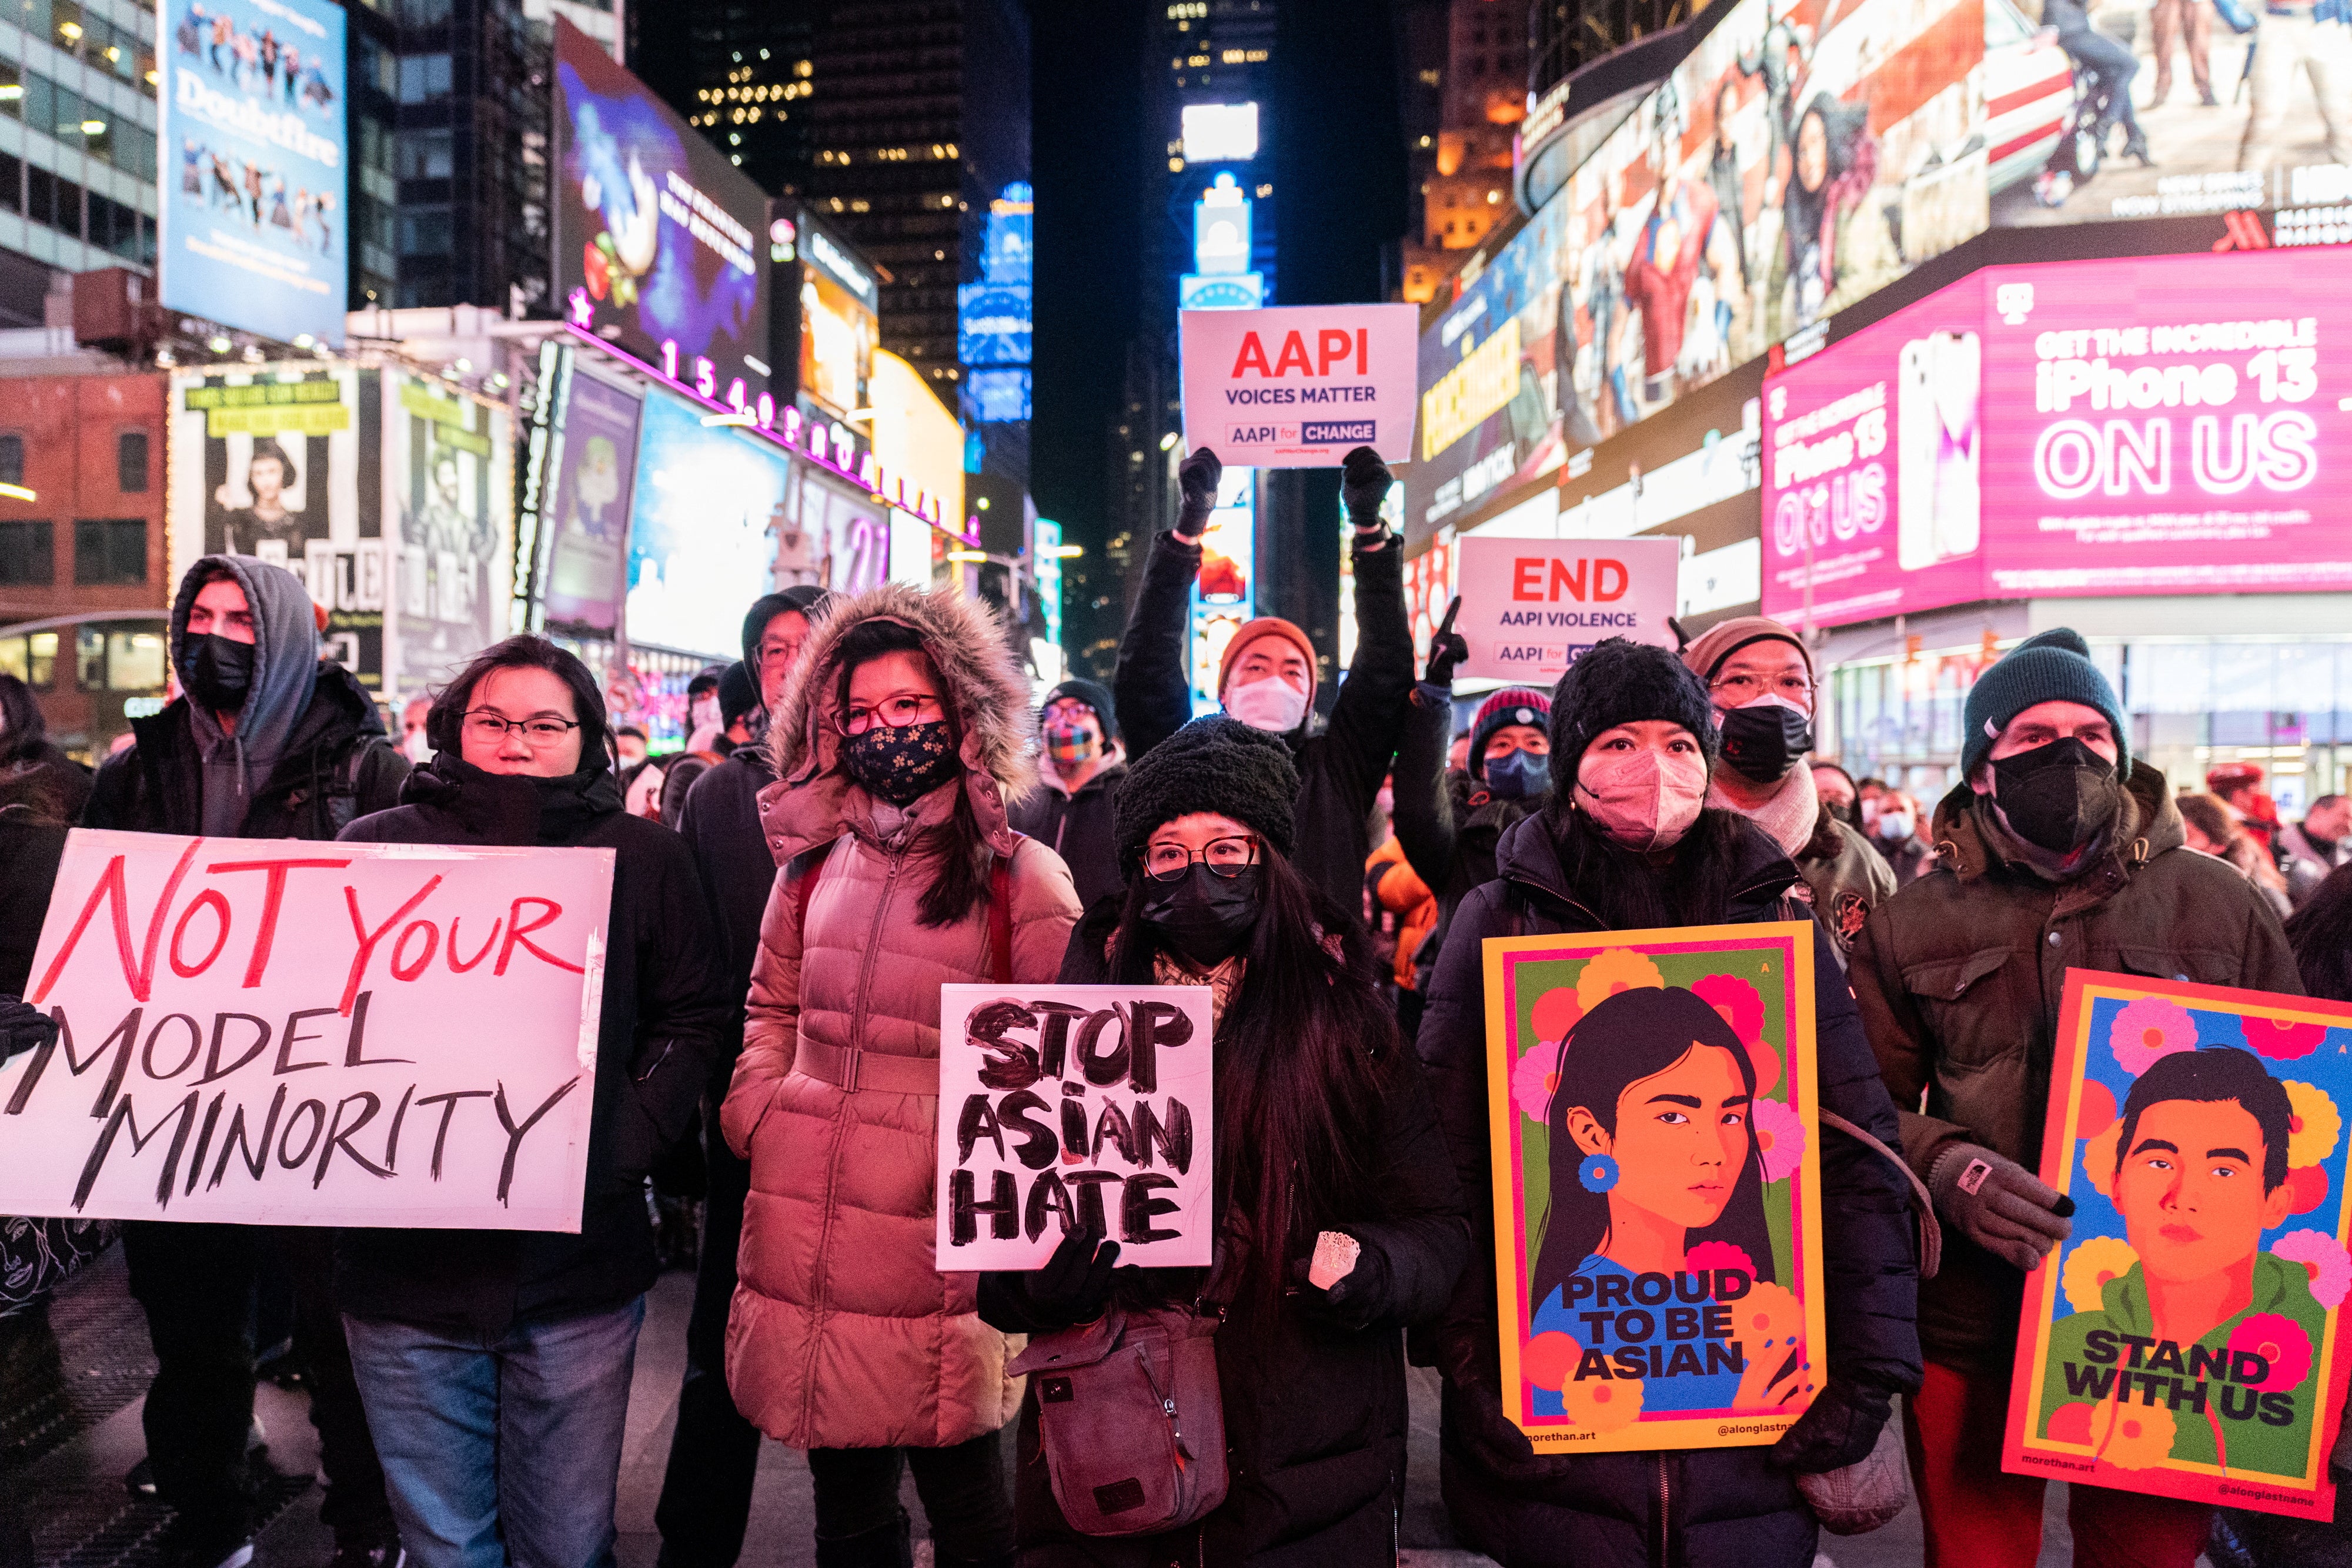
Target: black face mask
(2060, 796)
(217, 670)
(1202, 915)
(1764, 740)
(1517, 774)
(901, 766)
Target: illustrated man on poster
(2203, 1326)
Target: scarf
(1789, 819)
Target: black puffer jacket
(1082, 829)
(1701, 1506)
(1314, 1410)
(338, 765)
(1340, 769)
(662, 1014)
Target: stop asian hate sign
(1300, 386)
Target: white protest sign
(1531, 608)
(1074, 1105)
(273, 1032)
(1300, 386)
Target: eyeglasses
(900, 712)
(1224, 857)
(538, 730)
(1745, 689)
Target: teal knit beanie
(2052, 667)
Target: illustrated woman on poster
(267, 528)
(1656, 1198)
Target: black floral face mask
(901, 766)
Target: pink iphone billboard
(2171, 425)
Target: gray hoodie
(284, 672)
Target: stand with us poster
(2187, 1340)
(1658, 1194)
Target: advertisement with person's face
(285, 464)
(655, 232)
(591, 509)
(1801, 157)
(450, 460)
(2198, 1132)
(705, 499)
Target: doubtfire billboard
(2171, 425)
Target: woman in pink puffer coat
(905, 729)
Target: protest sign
(1531, 608)
(1300, 386)
(1657, 1184)
(269, 1033)
(2187, 1340)
(1074, 1105)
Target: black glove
(1448, 648)
(1073, 1287)
(1354, 1300)
(1838, 1428)
(1365, 484)
(23, 1027)
(1197, 476)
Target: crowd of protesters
(871, 804)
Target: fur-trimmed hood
(813, 800)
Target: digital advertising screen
(2167, 425)
(699, 550)
(840, 326)
(450, 459)
(595, 470)
(254, 166)
(1801, 157)
(656, 234)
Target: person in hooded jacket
(1267, 677)
(496, 1363)
(714, 1453)
(1626, 842)
(1075, 813)
(1760, 676)
(24, 744)
(1895, 834)
(2058, 849)
(904, 730)
(1312, 1378)
(266, 740)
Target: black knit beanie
(804, 599)
(2053, 666)
(1215, 763)
(737, 694)
(1618, 682)
(1095, 696)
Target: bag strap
(1923, 1203)
(1000, 913)
(807, 888)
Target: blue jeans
(501, 1448)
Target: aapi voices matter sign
(1300, 386)
(1531, 608)
(2188, 1339)
(1068, 1106)
(1657, 1184)
(274, 1032)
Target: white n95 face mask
(1272, 704)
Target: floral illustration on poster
(2186, 1340)
(1658, 1193)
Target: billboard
(287, 463)
(2167, 425)
(252, 118)
(706, 497)
(656, 247)
(839, 324)
(594, 468)
(449, 462)
(1801, 157)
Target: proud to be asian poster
(1657, 1195)
(2187, 1340)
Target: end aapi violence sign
(1300, 386)
(275, 1032)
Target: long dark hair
(1303, 1054)
(1624, 1038)
(524, 652)
(22, 728)
(2321, 934)
(1626, 891)
(962, 847)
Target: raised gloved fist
(1197, 476)
(2000, 1205)
(1363, 485)
(1448, 648)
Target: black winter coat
(662, 1014)
(1315, 1409)
(721, 829)
(338, 765)
(1082, 829)
(1702, 1507)
(31, 847)
(1449, 825)
(68, 780)
(1340, 769)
